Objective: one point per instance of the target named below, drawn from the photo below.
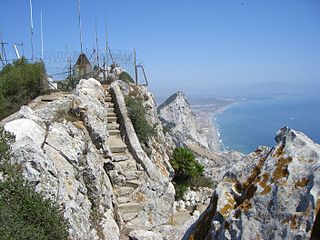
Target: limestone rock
(177, 116)
(144, 235)
(278, 199)
(58, 154)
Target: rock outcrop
(71, 148)
(274, 196)
(184, 126)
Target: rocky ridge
(71, 148)
(275, 196)
(184, 125)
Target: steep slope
(196, 131)
(184, 126)
(275, 197)
(78, 150)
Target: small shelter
(82, 68)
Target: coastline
(206, 115)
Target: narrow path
(126, 176)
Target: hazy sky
(200, 47)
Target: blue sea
(254, 122)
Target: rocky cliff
(275, 195)
(185, 127)
(81, 151)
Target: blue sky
(201, 47)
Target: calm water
(251, 123)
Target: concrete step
(129, 216)
(117, 145)
(108, 99)
(132, 175)
(130, 207)
(118, 149)
(114, 132)
(123, 191)
(111, 119)
(128, 165)
(111, 105)
(111, 114)
(120, 158)
(121, 200)
(133, 183)
(110, 109)
(113, 126)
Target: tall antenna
(31, 21)
(41, 37)
(3, 54)
(108, 48)
(79, 26)
(97, 50)
(16, 51)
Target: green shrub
(185, 164)
(124, 76)
(24, 213)
(20, 82)
(137, 114)
(180, 189)
(188, 172)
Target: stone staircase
(126, 176)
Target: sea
(253, 122)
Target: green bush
(124, 76)
(137, 114)
(188, 172)
(185, 164)
(24, 213)
(20, 82)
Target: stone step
(113, 126)
(128, 165)
(133, 183)
(118, 149)
(111, 114)
(129, 216)
(132, 175)
(111, 119)
(123, 191)
(125, 208)
(110, 109)
(107, 94)
(117, 145)
(114, 132)
(111, 105)
(108, 99)
(120, 158)
(121, 200)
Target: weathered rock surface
(278, 197)
(60, 155)
(183, 125)
(68, 147)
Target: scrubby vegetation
(24, 213)
(124, 76)
(19, 83)
(188, 172)
(137, 115)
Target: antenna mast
(97, 50)
(79, 26)
(41, 37)
(3, 54)
(31, 29)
